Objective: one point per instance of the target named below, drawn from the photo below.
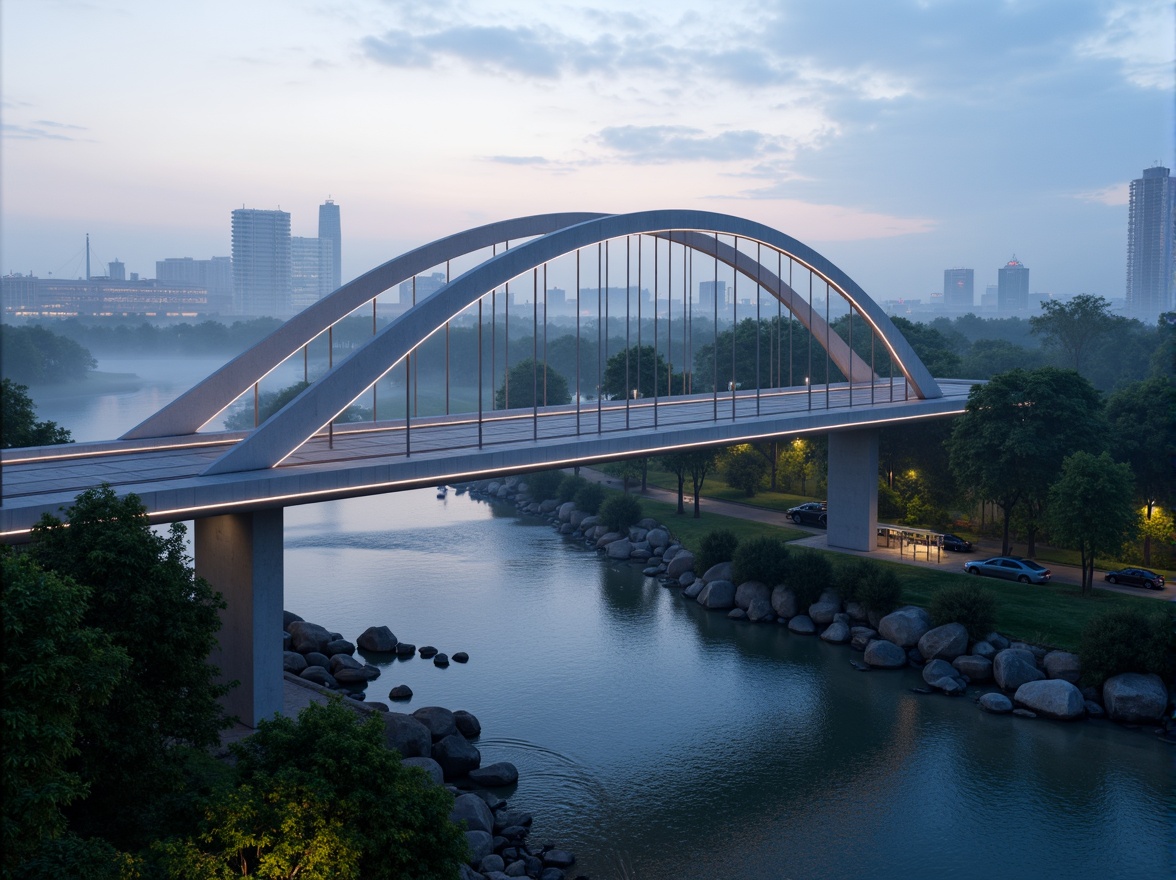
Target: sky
(897, 137)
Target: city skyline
(839, 126)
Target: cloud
(519, 160)
(1138, 35)
(42, 130)
(679, 143)
(1115, 195)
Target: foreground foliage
(715, 547)
(322, 797)
(761, 559)
(18, 422)
(1125, 640)
(969, 604)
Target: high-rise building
(415, 289)
(1012, 288)
(708, 293)
(261, 262)
(1151, 244)
(958, 291)
(215, 276)
(329, 229)
(310, 271)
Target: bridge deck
(365, 458)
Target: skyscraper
(329, 229)
(1012, 288)
(958, 290)
(1151, 244)
(310, 271)
(261, 262)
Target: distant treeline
(34, 356)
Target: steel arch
(317, 405)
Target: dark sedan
(1010, 568)
(1135, 577)
(955, 542)
(814, 513)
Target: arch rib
(198, 405)
(316, 406)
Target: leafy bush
(763, 559)
(715, 547)
(588, 498)
(618, 512)
(745, 469)
(544, 484)
(878, 589)
(809, 574)
(1124, 640)
(569, 486)
(851, 572)
(319, 797)
(969, 604)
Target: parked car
(1135, 577)
(955, 542)
(813, 513)
(1010, 568)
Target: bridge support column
(240, 555)
(853, 489)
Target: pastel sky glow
(897, 137)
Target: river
(657, 740)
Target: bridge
(847, 371)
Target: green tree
(678, 464)
(1015, 432)
(268, 403)
(1142, 419)
(987, 357)
(937, 351)
(146, 597)
(528, 382)
(799, 463)
(700, 463)
(641, 369)
(55, 669)
(34, 355)
(745, 468)
(1073, 327)
(322, 797)
(20, 426)
(1091, 508)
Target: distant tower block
(1012, 288)
(958, 290)
(329, 228)
(261, 262)
(1151, 244)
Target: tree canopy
(529, 382)
(641, 369)
(1017, 429)
(19, 425)
(1072, 326)
(33, 355)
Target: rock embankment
(1028, 681)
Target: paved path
(1063, 574)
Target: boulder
(558, 858)
(548, 505)
(822, 613)
(288, 617)
(905, 626)
(430, 767)
(353, 675)
(480, 845)
(1134, 698)
(637, 535)
(692, 591)
(440, 722)
(343, 661)
(760, 609)
(472, 810)
(997, 704)
(405, 649)
(607, 538)
(377, 638)
(407, 735)
(836, 633)
(564, 511)
(495, 775)
(943, 676)
(441, 660)
(997, 641)
(318, 675)
(686, 578)
(884, 654)
(737, 614)
(621, 549)
(976, 668)
(292, 661)
(749, 590)
(400, 692)
(648, 523)
(784, 602)
(802, 624)
(1094, 710)
(1013, 667)
(856, 611)
(306, 637)
(456, 756)
(461, 657)
(860, 636)
(427, 651)
(467, 724)
(717, 595)
(1051, 698)
(492, 864)
(721, 571)
(576, 519)
(682, 563)
(658, 537)
(314, 658)
(984, 649)
(339, 646)
(944, 642)
(1063, 665)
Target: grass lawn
(717, 488)
(1053, 614)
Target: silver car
(1010, 568)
